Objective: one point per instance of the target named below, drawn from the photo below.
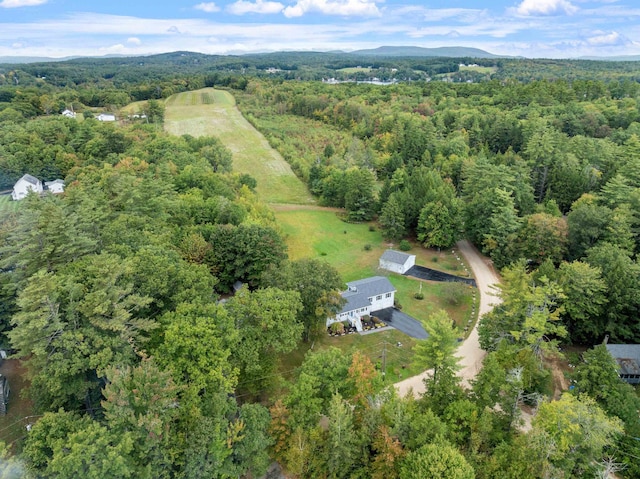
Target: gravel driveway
(469, 352)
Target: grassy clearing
(210, 112)
(7, 205)
(351, 70)
(131, 108)
(319, 233)
(479, 69)
(398, 357)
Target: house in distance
(55, 186)
(30, 183)
(24, 185)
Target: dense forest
(111, 292)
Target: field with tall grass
(213, 112)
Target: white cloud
(21, 3)
(459, 14)
(134, 41)
(546, 7)
(118, 48)
(607, 39)
(259, 6)
(208, 7)
(346, 8)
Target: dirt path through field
(469, 352)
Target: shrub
(367, 247)
(396, 304)
(372, 228)
(419, 296)
(405, 245)
(337, 328)
(434, 259)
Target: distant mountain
(15, 60)
(21, 60)
(453, 52)
(622, 58)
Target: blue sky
(530, 28)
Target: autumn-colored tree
(279, 430)
(365, 378)
(389, 454)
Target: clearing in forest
(213, 112)
(354, 250)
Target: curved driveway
(469, 352)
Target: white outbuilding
(55, 186)
(397, 261)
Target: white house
(364, 297)
(24, 185)
(55, 186)
(397, 261)
(106, 117)
(69, 113)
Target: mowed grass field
(479, 69)
(354, 250)
(213, 112)
(7, 205)
(355, 70)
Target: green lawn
(213, 112)
(351, 70)
(313, 232)
(479, 69)
(398, 357)
(7, 205)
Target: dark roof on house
(31, 179)
(358, 292)
(395, 256)
(627, 356)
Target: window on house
(379, 297)
(388, 295)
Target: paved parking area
(433, 275)
(402, 322)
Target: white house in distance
(397, 261)
(55, 186)
(24, 185)
(69, 113)
(106, 117)
(364, 297)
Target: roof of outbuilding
(396, 256)
(54, 182)
(627, 356)
(359, 292)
